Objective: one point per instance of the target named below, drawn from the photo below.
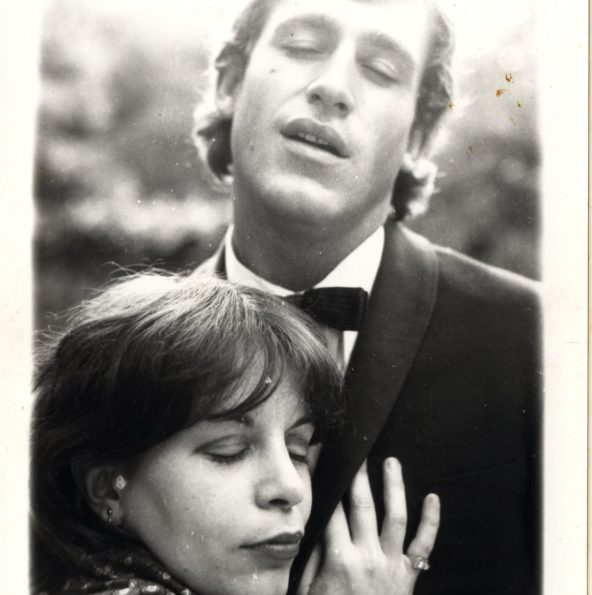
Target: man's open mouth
(314, 134)
(315, 141)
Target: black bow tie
(341, 308)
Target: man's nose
(332, 89)
(280, 484)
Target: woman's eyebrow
(248, 420)
(302, 421)
(236, 418)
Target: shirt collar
(357, 269)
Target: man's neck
(294, 258)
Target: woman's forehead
(258, 387)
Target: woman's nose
(332, 89)
(280, 484)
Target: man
(325, 116)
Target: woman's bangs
(255, 378)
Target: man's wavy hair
(415, 182)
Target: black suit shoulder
(484, 281)
(486, 308)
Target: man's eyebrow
(314, 21)
(382, 42)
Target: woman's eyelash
(234, 457)
(299, 457)
(227, 459)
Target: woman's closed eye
(226, 450)
(228, 458)
(299, 456)
(299, 448)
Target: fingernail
(433, 498)
(392, 464)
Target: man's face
(322, 116)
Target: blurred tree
(117, 177)
(488, 200)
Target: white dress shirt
(357, 269)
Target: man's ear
(231, 66)
(103, 495)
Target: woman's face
(223, 504)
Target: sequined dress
(120, 572)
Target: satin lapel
(399, 310)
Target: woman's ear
(102, 489)
(231, 66)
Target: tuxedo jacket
(445, 376)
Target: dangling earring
(110, 515)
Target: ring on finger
(421, 563)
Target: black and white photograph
(297, 297)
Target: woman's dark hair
(139, 362)
(414, 185)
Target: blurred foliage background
(119, 184)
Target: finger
(336, 537)
(362, 514)
(395, 509)
(424, 539)
(310, 570)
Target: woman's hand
(355, 558)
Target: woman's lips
(282, 547)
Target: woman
(172, 445)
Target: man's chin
(308, 201)
(296, 203)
